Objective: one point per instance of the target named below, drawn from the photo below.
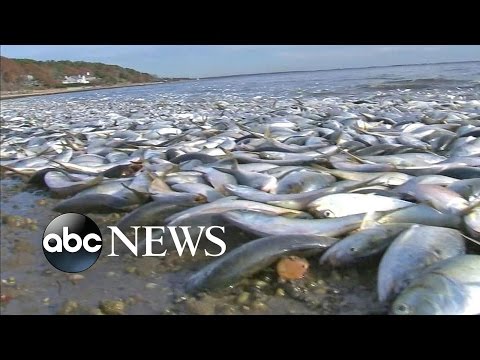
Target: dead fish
(201, 189)
(254, 180)
(424, 215)
(254, 222)
(449, 287)
(339, 205)
(94, 203)
(408, 159)
(469, 189)
(226, 204)
(411, 252)
(362, 244)
(472, 222)
(64, 185)
(303, 181)
(385, 178)
(217, 179)
(408, 188)
(440, 198)
(252, 257)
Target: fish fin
(373, 181)
(128, 151)
(19, 172)
(469, 238)
(54, 161)
(267, 134)
(472, 204)
(369, 220)
(429, 151)
(244, 128)
(140, 194)
(357, 158)
(97, 179)
(370, 133)
(229, 155)
(153, 176)
(320, 167)
(74, 145)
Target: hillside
(26, 74)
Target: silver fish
(362, 244)
(252, 257)
(339, 205)
(449, 287)
(254, 222)
(411, 252)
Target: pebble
(259, 284)
(258, 305)
(130, 269)
(112, 307)
(95, 311)
(243, 298)
(335, 276)
(200, 307)
(42, 202)
(19, 221)
(74, 278)
(320, 291)
(68, 307)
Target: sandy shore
(4, 95)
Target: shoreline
(78, 89)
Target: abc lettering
(66, 238)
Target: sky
(219, 60)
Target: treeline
(19, 74)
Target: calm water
(348, 82)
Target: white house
(79, 79)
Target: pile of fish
(336, 180)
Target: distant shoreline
(16, 95)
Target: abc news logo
(73, 242)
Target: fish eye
(328, 213)
(402, 308)
(352, 249)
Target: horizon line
(333, 69)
